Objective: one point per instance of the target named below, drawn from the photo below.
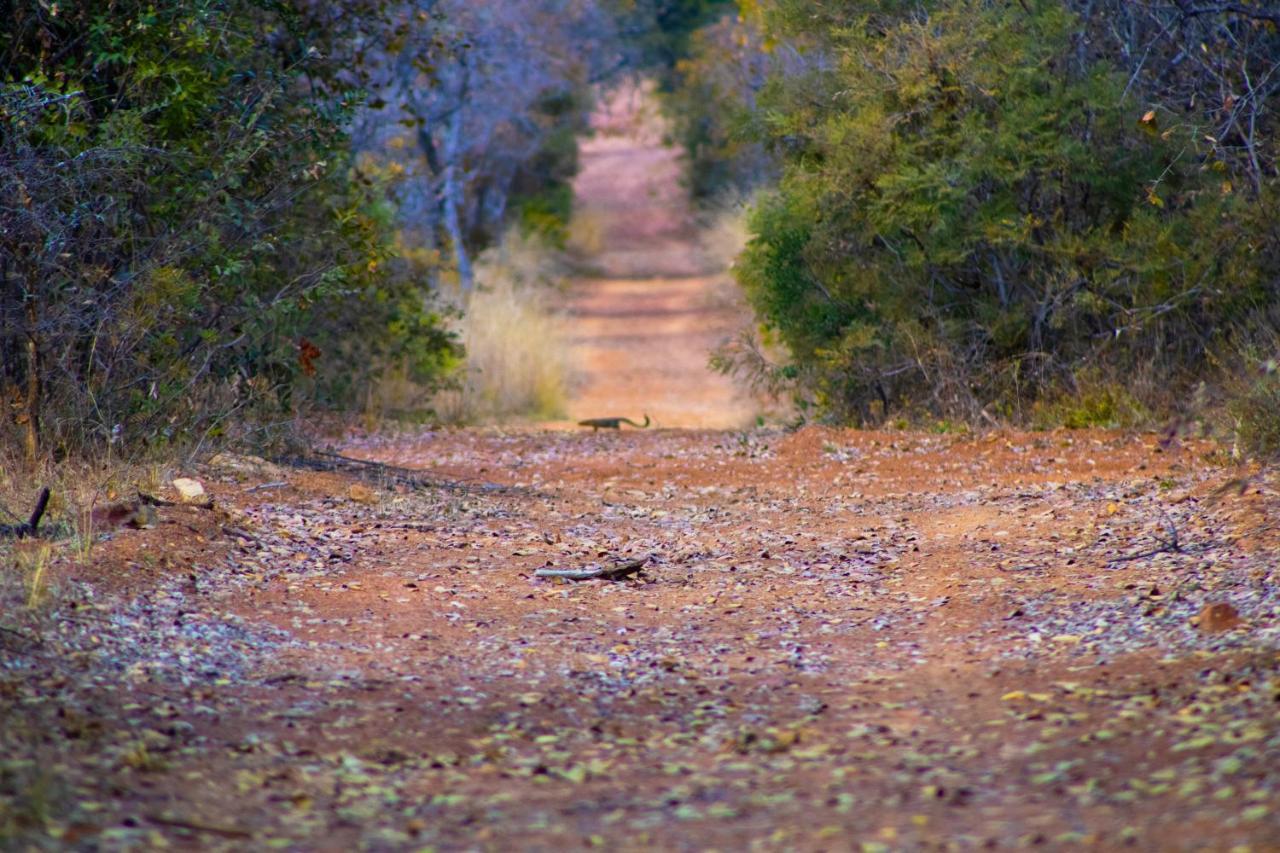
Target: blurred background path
(644, 321)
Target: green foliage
(542, 191)
(662, 30)
(547, 214)
(970, 217)
(710, 103)
(1094, 404)
(184, 236)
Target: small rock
(362, 494)
(189, 490)
(1218, 616)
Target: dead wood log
(608, 573)
(381, 472)
(31, 526)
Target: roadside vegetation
(1047, 213)
(219, 219)
(234, 232)
(187, 251)
(518, 361)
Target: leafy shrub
(974, 213)
(710, 108)
(183, 242)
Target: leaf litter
(839, 640)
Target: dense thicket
(658, 34)
(220, 211)
(182, 240)
(995, 207)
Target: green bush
(710, 108)
(184, 241)
(973, 215)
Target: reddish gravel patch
(644, 325)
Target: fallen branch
(241, 533)
(325, 460)
(224, 831)
(1171, 545)
(31, 526)
(278, 484)
(608, 573)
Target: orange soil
(644, 325)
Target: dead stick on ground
(609, 573)
(225, 831)
(241, 533)
(278, 484)
(155, 501)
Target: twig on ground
(241, 533)
(326, 460)
(278, 484)
(609, 573)
(196, 826)
(1169, 545)
(155, 501)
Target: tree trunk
(453, 200)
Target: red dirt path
(644, 326)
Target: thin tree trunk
(31, 436)
(453, 200)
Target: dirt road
(841, 640)
(644, 325)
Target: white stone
(188, 489)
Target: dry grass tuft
(1251, 386)
(30, 569)
(585, 238)
(517, 359)
(725, 231)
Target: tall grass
(585, 237)
(517, 357)
(30, 570)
